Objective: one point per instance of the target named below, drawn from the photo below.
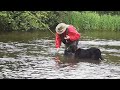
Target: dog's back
(91, 53)
(96, 53)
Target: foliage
(28, 20)
(42, 20)
(108, 12)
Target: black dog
(91, 53)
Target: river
(31, 55)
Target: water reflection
(63, 61)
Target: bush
(29, 20)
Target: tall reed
(87, 20)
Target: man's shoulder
(71, 27)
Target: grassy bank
(42, 20)
(87, 21)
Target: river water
(32, 56)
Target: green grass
(86, 21)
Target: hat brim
(63, 30)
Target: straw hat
(60, 28)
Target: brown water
(32, 56)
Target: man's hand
(67, 37)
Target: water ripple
(36, 60)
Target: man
(68, 35)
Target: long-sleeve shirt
(72, 33)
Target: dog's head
(77, 52)
(68, 53)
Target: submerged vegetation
(42, 20)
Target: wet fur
(91, 53)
